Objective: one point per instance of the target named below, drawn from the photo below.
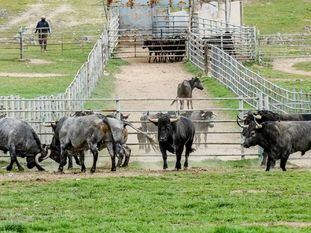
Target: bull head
(155, 121)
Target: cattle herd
(278, 134)
(170, 49)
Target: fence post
(259, 107)
(241, 108)
(266, 102)
(206, 58)
(21, 49)
(118, 107)
(62, 44)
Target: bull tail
(104, 119)
(174, 100)
(151, 140)
(192, 150)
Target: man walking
(43, 28)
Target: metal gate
(150, 31)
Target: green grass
(83, 20)
(106, 86)
(272, 16)
(285, 80)
(66, 65)
(231, 198)
(305, 66)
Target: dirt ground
(286, 65)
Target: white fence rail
(217, 141)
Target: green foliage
(285, 80)
(226, 198)
(271, 16)
(305, 66)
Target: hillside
(272, 16)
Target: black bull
(279, 139)
(266, 115)
(173, 135)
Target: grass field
(234, 197)
(272, 16)
(71, 21)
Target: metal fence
(224, 139)
(284, 45)
(241, 38)
(242, 81)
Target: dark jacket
(42, 26)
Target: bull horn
(258, 126)
(153, 120)
(37, 159)
(242, 126)
(172, 120)
(125, 116)
(241, 119)
(258, 117)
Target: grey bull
(185, 89)
(19, 139)
(78, 134)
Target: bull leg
(95, 157)
(164, 157)
(69, 161)
(178, 158)
(181, 104)
(112, 153)
(20, 168)
(120, 159)
(63, 159)
(283, 163)
(188, 151)
(150, 53)
(127, 156)
(264, 159)
(270, 160)
(205, 140)
(76, 159)
(13, 158)
(81, 158)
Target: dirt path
(30, 75)
(140, 79)
(286, 65)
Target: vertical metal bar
(241, 109)
(21, 45)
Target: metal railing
(217, 141)
(284, 45)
